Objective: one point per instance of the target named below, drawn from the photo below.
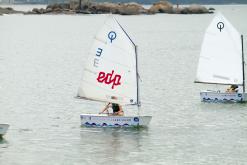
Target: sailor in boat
(116, 109)
(232, 89)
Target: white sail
(110, 73)
(220, 60)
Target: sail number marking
(112, 36)
(109, 78)
(96, 59)
(99, 52)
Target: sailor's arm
(106, 108)
(120, 108)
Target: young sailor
(116, 108)
(232, 89)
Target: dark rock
(40, 11)
(197, 9)
(29, 12)
(161, 7)
(36, 11)
(9, 10)
(48, 10)
(83, 12)
(105, 7)
(184, 10)
(131, 9)
(88, 7)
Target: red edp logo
(109, 78)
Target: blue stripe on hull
(219, 100)
(106, 125)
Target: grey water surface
(41, 63)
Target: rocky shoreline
(8, 10)
(115, 8)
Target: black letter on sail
(220, 25)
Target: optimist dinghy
(3, 129)
(111, 75)
(222, 61)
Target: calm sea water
(41, 62)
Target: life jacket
(115, 107)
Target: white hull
(213, 96)
(3, 129)
(103, 120)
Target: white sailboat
(3, 129)
(111, 75)
(222, 61)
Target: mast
(137, 74)
(137, 79)
(242, 41)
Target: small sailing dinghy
(3, 129)
(111, 75)
(222, 61)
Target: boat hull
(3, 129)
(213, 96)
(104, 120)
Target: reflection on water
(3, 140)
(113, 144)
(3, 144)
